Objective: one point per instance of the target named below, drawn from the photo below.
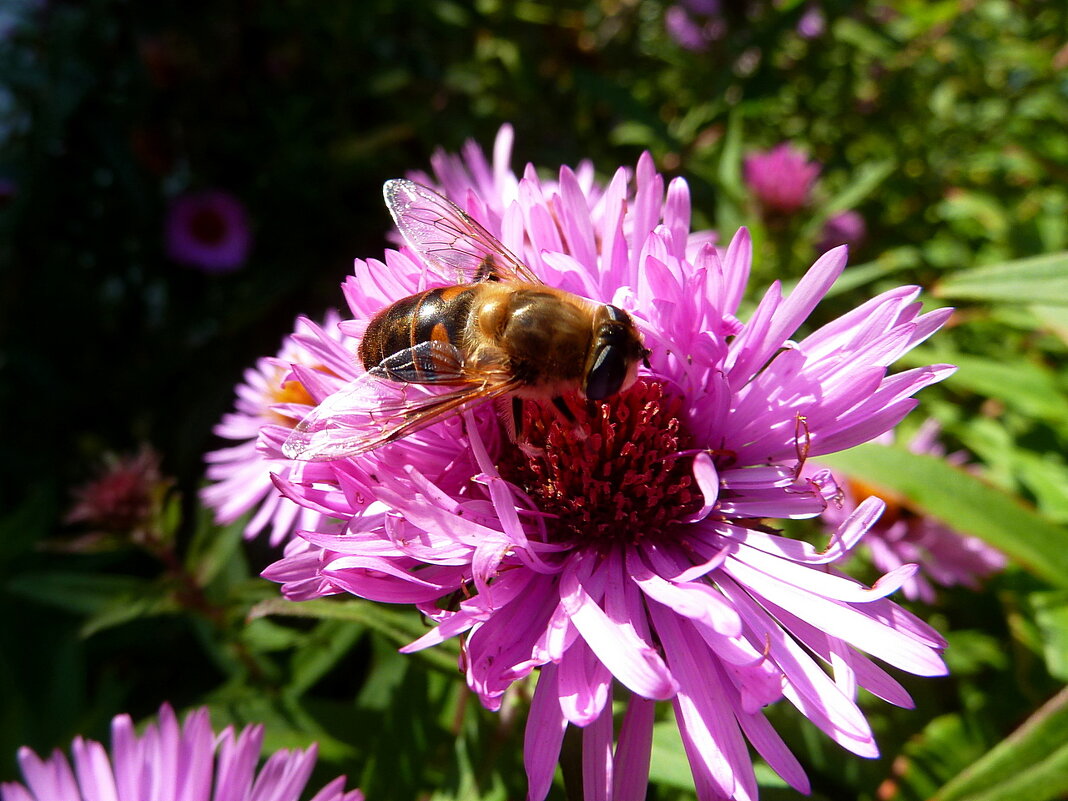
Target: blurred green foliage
(944, 124)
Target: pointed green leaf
(1029, 387)
(729, 171)
(80, 593)
(1041, 279)
(963, 502)
(320, 651)
(1051, 617)
(866, 179)
(399, 627)
(1032, 763)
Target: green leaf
(669, 765)
(1041, 279)
(963, 502)
(152, 601)
(321, 650)
(1032, 763)
(1051, 616)
(212, 548)
(729, 170)
(399, 627)
(80, 593)
(1029, 387)
(866, 179)
(947, 745)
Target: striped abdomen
(437, 314)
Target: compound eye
(607, 374)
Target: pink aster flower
(636, 546)
(171, 761)
(903, 535)
(208, 230)
(781, 178)
(271, 395)
(843, 228)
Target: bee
(496, 333)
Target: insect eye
(608, 372)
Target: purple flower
(781, 178)
(169, 762)
(270, 394)
(812, 23)
(844, 228)
(209, 231)
(642, 553)
(903, 535)
(695, 24)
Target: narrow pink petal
(634, 750)
(770, 745)
(584, 684)
(48, 779)
(162, 756)
(544, 735)
(736, 265)
(597, 771)
(93, 768)
(636, 663)
(808, 687)
(841, 620)
(197, 756)
(237, 762)
(127, 753)
(706, 719)
(13, 791)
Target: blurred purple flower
(812, 23)
(781, 178)
(903, 535)
(208, 230)
(844, 228)
(8, 190)
(637, 555)
(170, 762)
(240, 474)
(695, 24)
(685, 30)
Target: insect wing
(448, 238)
(344, 424)
(386, 403)
(432, 362)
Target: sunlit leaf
(963, 502)
(1041, 279)
(399, 627)
(320, 651)
(1051, 616)
(1032, 763)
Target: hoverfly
(497, 333)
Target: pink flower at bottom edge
(170, 761)
(643, 552)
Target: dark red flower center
(208, 226)
(615, 473)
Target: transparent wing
(446, 236)
(369, 412)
